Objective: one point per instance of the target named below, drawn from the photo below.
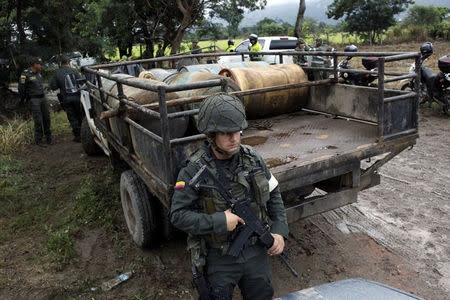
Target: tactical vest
(248, 179)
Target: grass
(16, 134)
(30, 204)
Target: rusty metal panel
(398, 116)
(345, 100)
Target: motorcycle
(369, 63)
(433, 87)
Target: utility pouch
(261, 190)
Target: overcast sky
(272, 2)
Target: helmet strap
(212, 141)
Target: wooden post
(356, 38)
(342, 35)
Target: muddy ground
(397, 233)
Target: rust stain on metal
(254, 140)
(274, 162)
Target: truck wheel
(138, 209)
(87, 139)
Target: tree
(299, 21)
(232, 11)
(424, 15)
(193, 10)
(372, 16)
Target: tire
(87, 139)
(422, 93)
(138, 209)
(446, 106)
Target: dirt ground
(398, 233)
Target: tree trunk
(299, 21)
(187, 19)
(19, 22)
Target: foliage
(60, 246)
(425, 15)
(97, 200)
(367, 15)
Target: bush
(441, 30)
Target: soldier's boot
(50, 140)
(41, 144)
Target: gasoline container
(146, 75)
(216, 68)
(177, 126)
(270, 103)
(158, 73)
(190, 77)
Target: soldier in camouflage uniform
(70, 99)
(322, 61)
(207, 218)
(301, 46)
(31, 91)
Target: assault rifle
(252, 226)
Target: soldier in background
(301, 46)
(195, 48)
(31, 91)
(321, 61)
(207, 217)
(65, 79)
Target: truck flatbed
(298, 138)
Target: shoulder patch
(179, 185)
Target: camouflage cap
(300, 41)
(221, 113)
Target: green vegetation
(30, 204)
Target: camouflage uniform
(301, 59)
(201, 214)
(31, 90)
(70, 102)
(326, 63)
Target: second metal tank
(270, 103)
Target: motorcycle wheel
(422, 93)
(446, 106)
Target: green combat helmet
(221, 113)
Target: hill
(314, 8)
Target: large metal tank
(190, 77)
(270, 103)
(177, 126)
(157, 73)
(216, 68)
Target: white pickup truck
(268, 44)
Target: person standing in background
(31, 91)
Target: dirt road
(397, 234)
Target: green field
(334, 38)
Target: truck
(268, 44)
(323, 151)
